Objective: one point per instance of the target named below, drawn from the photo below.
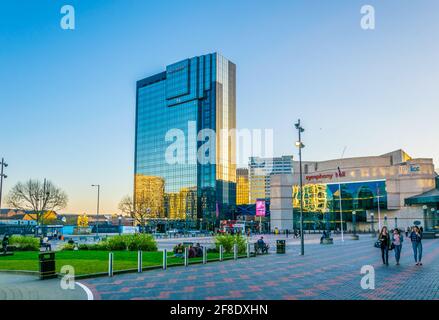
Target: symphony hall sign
(322, 176)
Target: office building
(176, 110)
(260, 171)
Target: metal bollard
(221, 251)
(235, 251)
(204, 255)
(139, 261)
(248, 250)
(110, 264)
(186, 257)
(165, 259)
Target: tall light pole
(339, 196)
(2, 176)
(300, 145)
(97, 209)
(340, 204)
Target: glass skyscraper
(177, 110)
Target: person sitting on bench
(44, 243)
(5, 243)
(262, 246)
(179, 251)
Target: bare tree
(38, 197)
(139, 211)
(126, 205)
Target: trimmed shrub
(100, 246)
(132, 242)
(24, 243)
(144, 242)
(228, 240)
(116, 243)
(68, 247)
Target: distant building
(375, 188)
(260, 171)
(242, 186)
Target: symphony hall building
(373, 189)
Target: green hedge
(132, 242)
(228, 240)
(24, 243)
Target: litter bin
(280, 246)
(47, 265)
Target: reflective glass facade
(242, 186)
(322, 201)
(260, 171)
(176, 105)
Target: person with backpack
(416, 238)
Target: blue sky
(67, 98)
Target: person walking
(384, 240)
(416, 238)
(397, 240)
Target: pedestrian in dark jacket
(416, 238)
(384, 240)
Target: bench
(8, 250)
(261, 249)
(46, 246)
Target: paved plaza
(325, 272)
(29, 287)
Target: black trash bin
(280, 246)
(47, 265)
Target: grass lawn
(89, 261)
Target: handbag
(392, 246)
(377, 244)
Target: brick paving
(325, 272)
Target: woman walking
(397, 240)
(416, 238)
(384, 240)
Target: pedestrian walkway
(29, 287)
(325, 272)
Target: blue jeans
(385, 254)
(417, 251)
(398, 252)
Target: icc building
(392, 189)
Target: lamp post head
(300, 145)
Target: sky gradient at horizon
(67, 98)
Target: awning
(428, 197)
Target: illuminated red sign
(322, 176)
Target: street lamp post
(425, 209)
(2, 176)
(354, 223)
(120, 224)
(300, 145)
(396, 222)
(372, 223)
(97, 209)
